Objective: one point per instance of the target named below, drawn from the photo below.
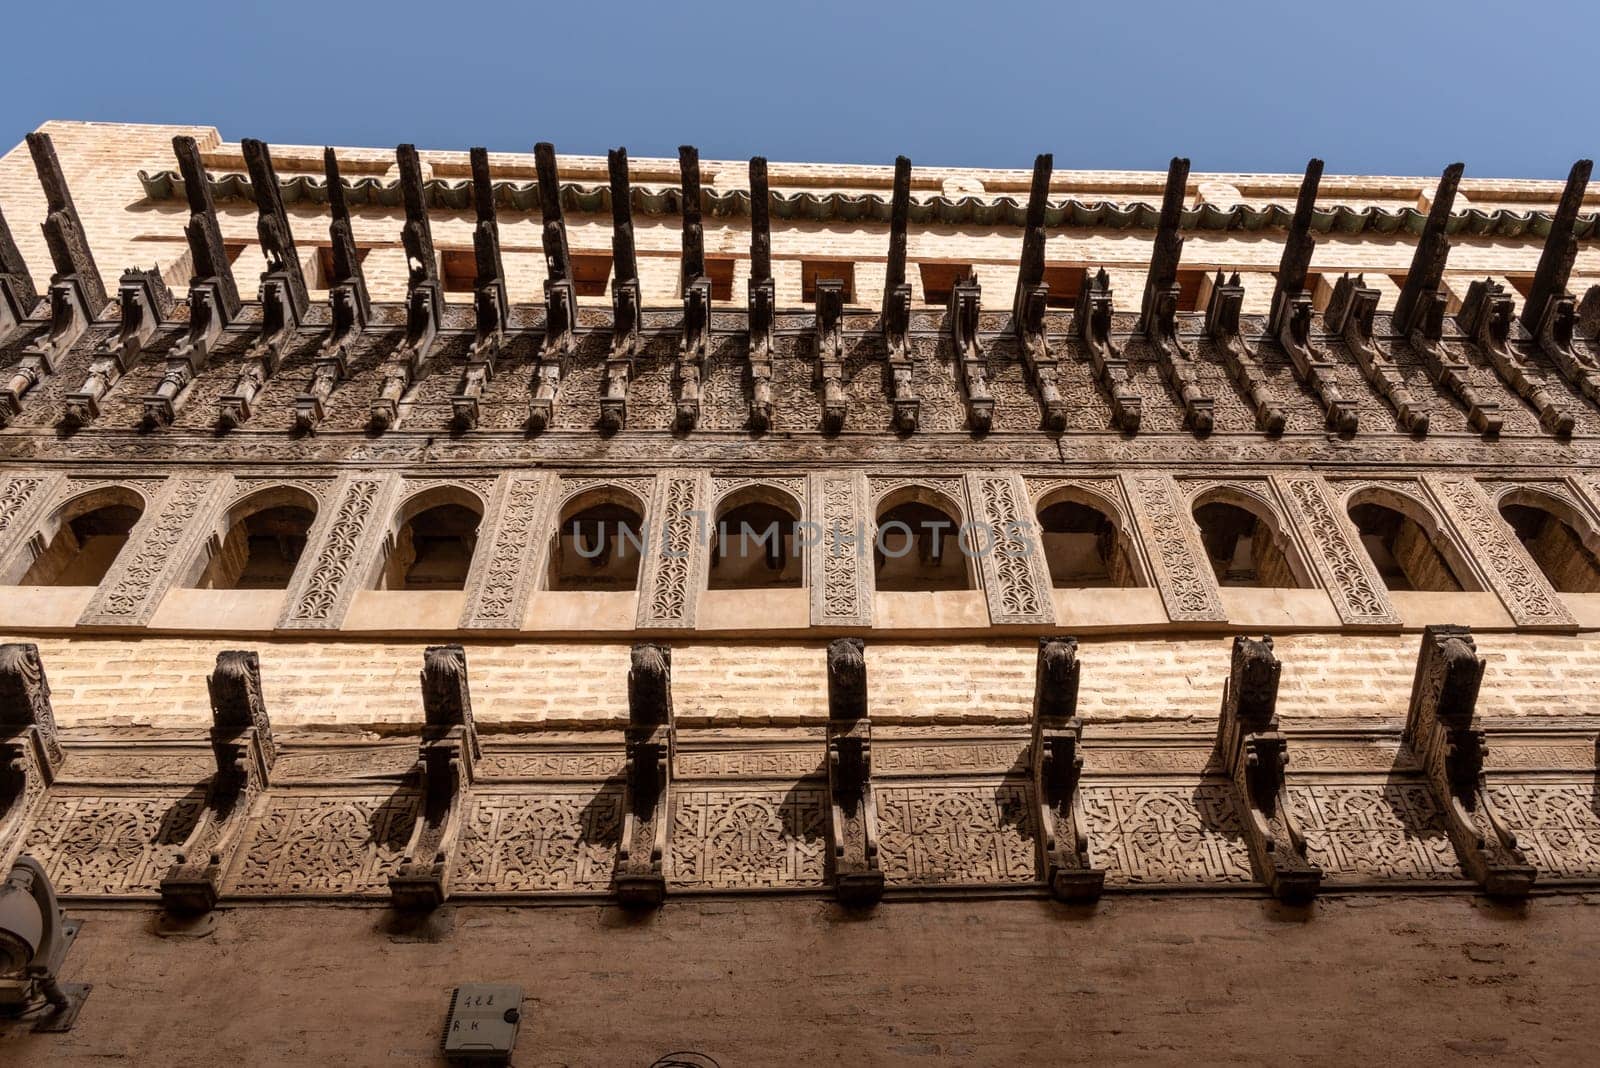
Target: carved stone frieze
(956, 833)
(324, 842)
(550, 841)
(1166, 834)
(748, 837)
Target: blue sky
(1384, 88)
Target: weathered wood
(1158, 318)
(1032, 298)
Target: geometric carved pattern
(343, 547)
(1516, 579)
(316, 842)
(1010, 554)
(748, 837)
(1556, 823)
(957, 833)
(20, 497)
(841, 579)
(675, 533)
(159, 545)
(1165, 834)
(498, 593)
(1346, 569)
(1388, 830)
(553, 842)
(1183, 574)
(111, 844)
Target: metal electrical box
(483, 1021)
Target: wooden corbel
(1419, 312)
(30, 750)
(1485, 316)
(1057, 767)
(1441, 731)
(146, 303)
(241, 742)
(1293, 310)
(560, 295)
(1158, 318)
(445, 763)
(1093, 321)
(689, 374)
(213, 295)
(491, 310)
(853, 810)
(1222, 326)
(966, 300)
(409, 363)
(896, 318)
(76, 293)
(1550, 312)
(1349, 315)
(763, 293)
(283, 289)
(625, 301)
(829, 337)
(1255, 753)
(1033, 297)
(348, 303)
(18, 295)
(640, 876)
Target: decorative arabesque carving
(1032, 298)
(625, 300)
(213, 295)
(1349, 316)
(339, 553)
(348, 304)
(1057, 762)
(1419, 311)
(828, 336)
(762, 300)
(1511, 572)
(689, 374)
(18, 294)
(1342, 562)
(1183, 574)
(241, 742)
(853, 856)
(1010, 555)
(165, 537)
(498, 592)
(671, 572)
(966, 300)
(30, 750)
(647, 778)
(410, 360)
(1442, 731)
(283, 289)
(1486, 316)
(1222, 326)
(896, 319)
(841, 589)
(76, 293)
(1551, 311)
(146, 303)
(1158, 319)
(491, 312)
(444, 767)
(1292, 311)
(1255, 753)
(1093, 323)
(560, 295)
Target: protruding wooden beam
(283, 289)
(1419, 313)
(1158, 318)
(853, 857)
(625, 299)
(1057, 763)
(966, 302)
(829, 337)
(560, 294)
(491, 308)
(1486, 316)
(30, 748)
(1551, 311)
(409, 363)
(896, 317)
(348, 302)
(1292, 312)
(1092, 319)
(1349, 315)
(213, 295)
(762, 298)
(640, 876)
(1222, 326)
(695, 346)
(146, 303)
(1256, 753)
(18, 295)
(1032, 298)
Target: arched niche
(432, 541)
(755, 541)
(80, 541)
(259, 542)
(918, 543)
(599, 541)
(1561, 540)
(1086, 543)
(1406, 543)
(1246, 543)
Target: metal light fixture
(34, 937)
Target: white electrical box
(482, 1024)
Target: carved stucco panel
(677, 536)
(23, 499)
(1172, 545)
(340, 551)
(1511, 572)
(510, 560)
(839, 567)
(1345, 567)
(1016, 578)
